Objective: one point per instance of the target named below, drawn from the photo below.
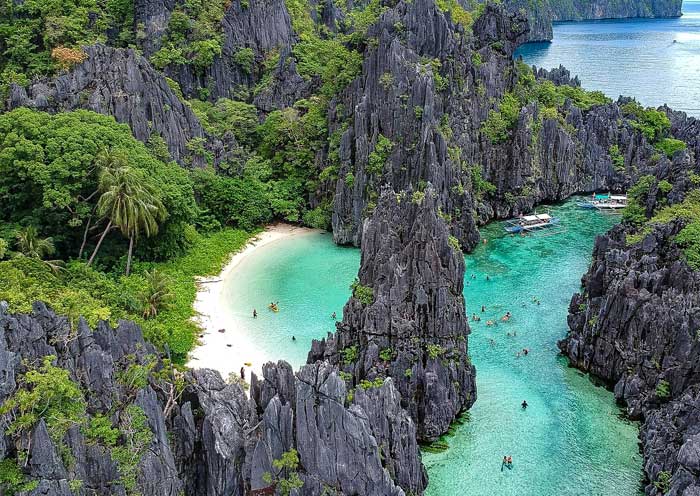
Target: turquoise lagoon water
(570, 441)
(636, 57)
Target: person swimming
(255, 313)
(293, 338)
(483, 308)
(333, 316)
(524, 404)
(506, 317)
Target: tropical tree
(3, 248)
(106, 159)
(130, 203)
(31, 245)
(156, 295)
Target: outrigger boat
(615, 202)
(605, 202)
(530, 223)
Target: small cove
(570, 441)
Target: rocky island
(543, 13)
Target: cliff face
(406, 319)
(635, 326)
(543, 12)
(199, 435)
(417, 115)
(121, 83)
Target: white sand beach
(213, 314)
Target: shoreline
(228, 351)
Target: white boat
(614, 202)
(530, 223)
(605, 202)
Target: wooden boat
(615, 202)
(604, 202)
(530, 223)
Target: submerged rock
(406, 319)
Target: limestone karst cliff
(635, 323)
(119, 420)
(434, 99)
(406, 318)
(543, 12)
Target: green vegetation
(435, 351)
(51, 169)
(286, 479)
(655, 126)
(350, 354)
(289, 142)
(481, 186)
(670, 146)
(379, 155)
(618, 160)
(454, 243)
(12, 480)
(635, 211)
(226, 115)
(689, 237)
(194, 36)
(376, 383)
(133, 425)
(45, 393)
(501, 122)
(364, 294)
(43, 36)
(663, 481)
(80, 290)
(663, 390)
(386, 354)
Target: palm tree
(106, 159)
(31, 245)
(156, 295)
(130, 204)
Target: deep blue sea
(655, 60)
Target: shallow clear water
(570, 441)
(633, 57)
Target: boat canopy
(537, 217)
(618, 197)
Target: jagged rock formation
(152, 17)
(415, 115)
(121, 83)
(412, 326)
(264, 27)
(209, 439)
(428, 88)
(635, 326)
(543, 12)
